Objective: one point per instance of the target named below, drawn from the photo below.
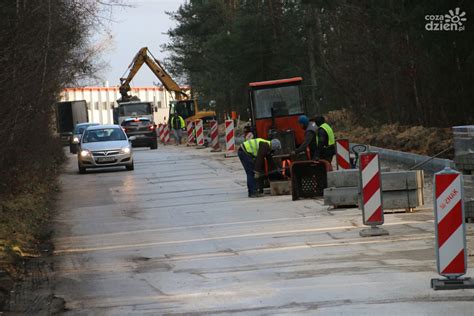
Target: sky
(144, 24)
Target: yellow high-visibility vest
(328, 129)
(251, 146)
(181, 122)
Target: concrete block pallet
(400, 189)
(468, 197)
(469, 210)
(468, 187)
(464, 148)
(391, 200)
(391, 181)
(348, 196)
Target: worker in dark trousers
(177, 124)
(311, 130)
(325, 140)
(252, 154)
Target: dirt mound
(416, 139)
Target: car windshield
(139, 122)
(133, 109)
(81, 128)
(103, 135)
(283, 100)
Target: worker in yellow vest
(252, 154)
(325, 140)
(177, 124)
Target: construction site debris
(416, 139)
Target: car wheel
(154, 145)
(130, 167)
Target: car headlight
(75, 140)
(125, 150)
(85, 153)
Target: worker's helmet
(303, 120)
(276, 145)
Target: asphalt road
(178, 235)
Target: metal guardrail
(425, 163)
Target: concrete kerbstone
(391, 181)
(348, 196)
(391, 200)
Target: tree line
(376, 58)
(44, 47)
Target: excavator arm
(143, 56)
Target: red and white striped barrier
(449, 225)
(450, 230)
(229, 138)
(166, 134)
(190, 132)
(342, 154)
(214, 137)
(199, 133)
(371, 189)
(160, 132)
(371, 184)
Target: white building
(101, 101)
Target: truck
(68, 114)
(275, 106)
(186, 107)
(132, 108)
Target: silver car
(104, 146)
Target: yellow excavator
(185, 107)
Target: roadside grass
(25, 216)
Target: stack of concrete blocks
(464, 160)
(469, 197)
(400, 189)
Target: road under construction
(179, 236)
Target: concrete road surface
(178, 235)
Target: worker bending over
(252, 154)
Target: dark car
(75, 139)
(141, 131)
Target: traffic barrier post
(166, 134)
(342, 154)
(214, 137)
(450, 231)
(160, 132)
(371, 194)
(199, 134)
(229, 139)
(190, 132)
